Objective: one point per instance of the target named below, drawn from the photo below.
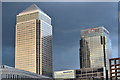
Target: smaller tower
(95, 48)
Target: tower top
(94, 31)
(31, 8)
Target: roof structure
(31, 8)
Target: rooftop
(31, 8)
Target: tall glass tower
(34, 41)
(95, 48)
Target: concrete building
(34, 41)
(95, 49)
(80, 74)
(90, 74)
(114, 68)
(66, 74)
(10, 73)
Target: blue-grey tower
(95, 48)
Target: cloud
(115, 52)
(8, 57)
(66, 57)
(68, 31)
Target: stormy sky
(68, 18)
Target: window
(113, 74)
(117, 62)
(113, 70)
(112, 62)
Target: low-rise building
(89, 74)
(66, 74)
(10, 73)
(80, 74)
(115, 68)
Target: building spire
(31, 8)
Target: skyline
(63, 29)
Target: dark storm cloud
(8, 56)
(67, 20)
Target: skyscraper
(34, 41)
(95, 48)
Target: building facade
(80, 74)
(90, 74)
(115, 68)
(34, 41)
(66, 74)
(95, 48)
(10, 73)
